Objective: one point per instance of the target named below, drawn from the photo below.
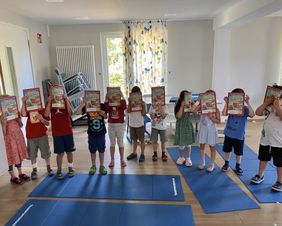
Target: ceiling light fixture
(54, 1)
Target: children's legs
(262, 167)
(279, 174)
(188, 151)
(202, 153)
(93, 159)
(59, 159)
(11, 171)
(227, 156)
(121, 153)
(101, 158)
(19, 168)
(112, 150)
(142, 147)
(163, 147)
(155, 146)
(213, 154)
(134, 145)
(181, 152)
(70, 157)
(238, 159)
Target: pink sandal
(112, 164)
(123, 164)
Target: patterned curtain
(145, 54)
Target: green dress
(184, 132)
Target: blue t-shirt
(236, 125)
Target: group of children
(36, 134)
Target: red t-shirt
(116, 114)
(61, 122)
(34, 128)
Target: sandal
(16, 180)
(123, 164)
(112, 164)
(164, 157)
(24, 177)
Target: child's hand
(24, 99)
(39, 116)
(182, 103)
(268, 100)
(247, 99)
(65, 97)
(276, 103)
(50, 98)
(226, 99)
(3, 119)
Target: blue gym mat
(112, 186)
(216, 192)
(250, 165)
(75, 213)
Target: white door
(16, 70)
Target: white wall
(254, 57)
(190, 50)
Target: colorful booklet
(9, 107)
(158, 96)
(58, 97)
(208, 102)
(236, 104)
(188, 102)
(135, 101)
(114, 96)
(33, 101)
(273, 92)
(92, 99)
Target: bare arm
(143, 112)
(215, 117)
(4, 124)
(261, 108)
(251, 111)
(180, 111)
(48, 107)
(224, 111)
(23, 108)
(81, 106)
(43, 120)
(68, 106)
(277, 106)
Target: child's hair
(278, 87)
(179, 101)
(136, 89)
(238, 90)
(210, 91)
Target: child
(271, 140)
(137, 130)
(158, 116)
(96, 135)
(208, 135)
(36, 134)
(15, 147)
(116, 127)
(235, 133)
(184, 132)
(62, 135)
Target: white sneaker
(201, 165)
(180, 161)
(210, 167)
(188, 162)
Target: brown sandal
(24, 177)
(16, 180)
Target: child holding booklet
(116, 127)
(208, 135)
(96, 135)
(234, 132)
(62, 134)
(271, 139)
(137, 130)
(15, 146)
(36, 134)
(184, 132)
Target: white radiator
(74, 59)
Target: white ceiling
(99, 11)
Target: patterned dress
(207, 132)
(184, 132)
(15, 144)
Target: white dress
(207, 131)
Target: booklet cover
(114, 96)
(236, 104)
(9, 107)
(135, 101)
(158, 96)
(92, 99)
(208, 102)
(188, 102)
(273, 92)
(33, 101)
(58, 97)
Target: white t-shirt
(159, 123)
(272, 129)
(136, 119)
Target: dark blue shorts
(230, 143)
(97, 143)
(63, 144)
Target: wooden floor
(12, 197)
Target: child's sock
(59, 169)
(237, 165)
(163, 153)
(70, 165)
(226, 162)
(34, 169)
